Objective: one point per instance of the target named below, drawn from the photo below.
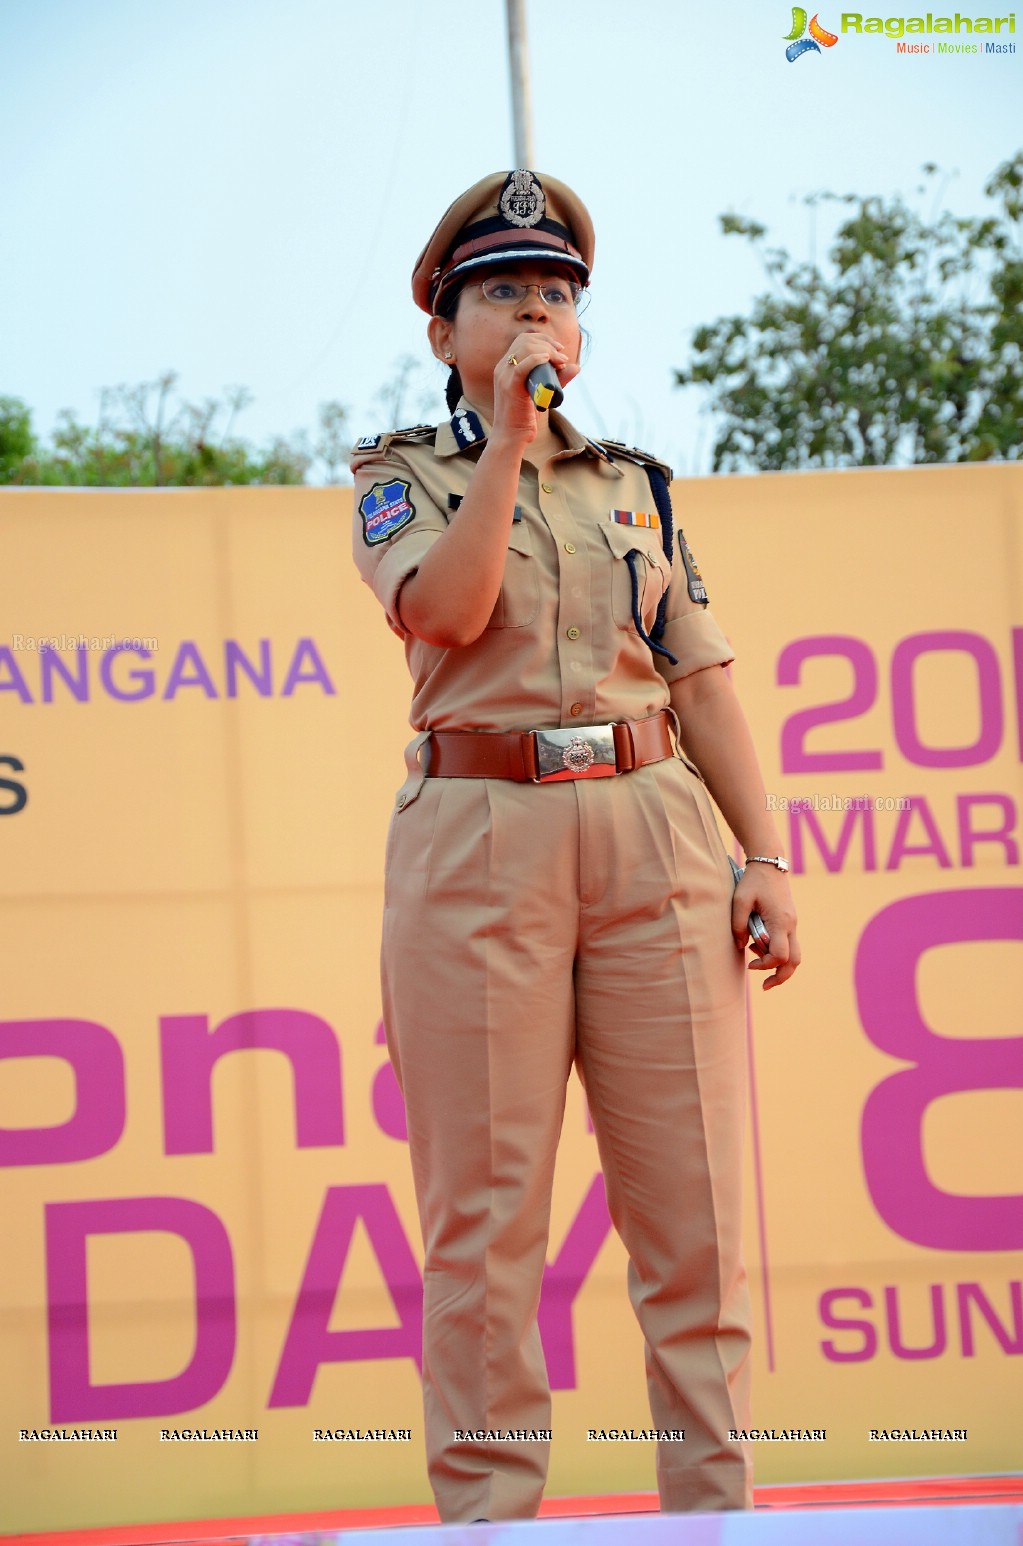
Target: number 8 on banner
(889, 950)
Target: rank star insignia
(522, 201)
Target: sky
(237, 190)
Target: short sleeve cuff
(697, 641)
(397, 563)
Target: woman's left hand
(765, 890)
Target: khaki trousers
(527, 928)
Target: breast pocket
(519, 600)
(653, 572)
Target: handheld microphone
(544, 388)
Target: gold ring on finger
(512, 360)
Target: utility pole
(518, 65)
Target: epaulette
(372, 446)
(613, 448)
(415, 432)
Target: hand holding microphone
(544, 388)
(528, 380)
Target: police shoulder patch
(385, 510)
(694, 579)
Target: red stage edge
(932, 1511)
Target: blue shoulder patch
(385, 510)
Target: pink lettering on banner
(937, 1345)
(952, 1301)
(562, 1280)
(388, 1102)
(310, 1342)
(918, 813)
(831, 1350)
(97, 1123)
(794, 756)
(887, 955)
(1003, 834)
(972, 1294)
(189, 1051)
(69, 1226)
(982, 653)
(834, 858)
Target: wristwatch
(777, 860)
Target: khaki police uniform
(531, 927)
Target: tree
(408, 396)
(144, 439)
(334, 444)
(910, 349)
(16, 438)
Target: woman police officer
(556, 888)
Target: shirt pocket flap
(653, 573)
(519, 540)
(646, 540)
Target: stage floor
(933, 1511)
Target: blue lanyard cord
(633, 558)
(662, 499)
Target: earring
(448, 355)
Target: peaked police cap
(508, 217)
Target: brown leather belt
(550, 756)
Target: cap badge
(522, 201)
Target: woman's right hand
(515, 414)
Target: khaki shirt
(561, 646)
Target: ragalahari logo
(799, 43)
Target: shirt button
(576, 708)
(569, 547)
(548, 488)
(572, 633)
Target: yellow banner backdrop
(209, 1222)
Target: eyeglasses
(555, 293)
